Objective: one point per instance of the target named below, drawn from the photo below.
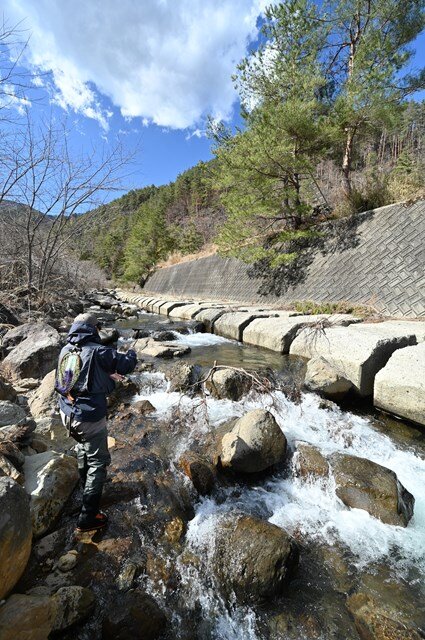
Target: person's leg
(97, 459)
(82, 463)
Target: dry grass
(178, 258)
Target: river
(342, 550)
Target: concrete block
(358, 351)
(400, 385)
(209, 316)
(232, 325)
(276, 334)
(185, 312)
(167, 307)
(157, 305)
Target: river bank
(184, 555)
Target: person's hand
(117, 377)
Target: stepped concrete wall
(376, 258)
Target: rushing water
(309, 510)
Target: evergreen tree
(264, 172)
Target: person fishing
(86, 374)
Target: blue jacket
(99, 362)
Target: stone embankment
(384, 360)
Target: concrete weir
(385, 360)
(358, 351)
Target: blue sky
(148, 72)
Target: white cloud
(198, 133)
(167, 62)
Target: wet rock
(130, 311)
(12, 453)
(20, 434)
(123, 393)
(35, 356)
(175, 530)
(253, 558)
(199, 470)
(164, 336)
(323, 377)
(10, 413)
(140, 333)
(7, 469)
(308, 461)
(184, 377)
(43, 401)
(128, 575)
(148, 347)
(143, 407)
(15, 534)
(27, 617)
(255, 443)
(49, 481)
(375, 622)
(363, 484)
(7, 392)
(228, 383)
(72, 604)
(68, 561)
(137, 616)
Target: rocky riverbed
(241, 506)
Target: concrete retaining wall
(375, 258)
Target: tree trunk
(346, 162)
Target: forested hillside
(147, 225)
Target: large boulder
(35, 356)
(16, 335)
(42, 401)
(184, 377)
(323, 377)
(135, 615)
(27, 617)
(377, 622)
(15, 535)
(10, 413)
(228, 383)
(49, 481)
(253, 558)
(254, 444)
(400, 385)
(309, 462)
(72, 604)
(363, 484)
